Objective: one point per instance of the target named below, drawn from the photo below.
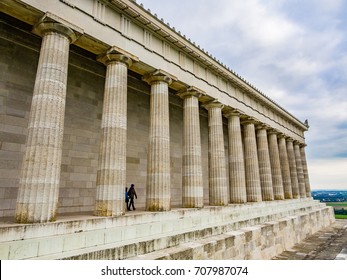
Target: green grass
(339, 204)
(338, 216)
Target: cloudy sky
(292, 50)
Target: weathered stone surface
(301, 179)
(158, 174)
(192, 193)
(328, 243)
(285, 170)
(39, 181)
(253, 185)
(111, 176)
(140, 232)
(276, 173)
(237, 176)
(305, 170)
(264, 164)
(218, 191)
(293, 168)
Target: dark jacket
(132, 193)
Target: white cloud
(328, 173)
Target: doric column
(305, 170)
(292, 167)
(264, 164)
(192, 193)
(285, 170)
(301, 179)
(237, 175)
(111, 174)
(218, 190)
(39, 180)
(277, 181)
(158, 164)
(253, 185)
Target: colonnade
(264, 164)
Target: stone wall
(18, 62)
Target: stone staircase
(247, 231)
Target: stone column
(158, 164)
(253, 185)
(285, 170)
(192, 193)
(111, 175)
(264, 164)
(292, 167)
(301, 179)
(217, 170)
(305, 170)
(236, 159)
(277, 181)
(40, 175)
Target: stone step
(327, 244)
(263, 241)
(139, 233)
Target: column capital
(297, 142)
(260, 126)
(115, 54)
(273, 131)
(159, 76)
(52, 23)
(282, 135)
(213, 104)
(249, 120)
(229, 112)
(303, 145)
(190, 91)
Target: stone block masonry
(249, 231)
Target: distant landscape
(334, 198)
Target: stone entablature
(158, 46)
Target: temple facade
(97, 95)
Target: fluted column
(301, 179)
(237, 175)
(158, 164)
(305, 170)
(40, 176)
(111, 174)
(218, 191)
(292, 167)
(264, 164)
(192, 193)
(277, 181)
(253, 185)
(285, 170)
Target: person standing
(127, 198)
(132, 194)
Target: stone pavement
(327, 244)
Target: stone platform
(247, 231)
(329, 243)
